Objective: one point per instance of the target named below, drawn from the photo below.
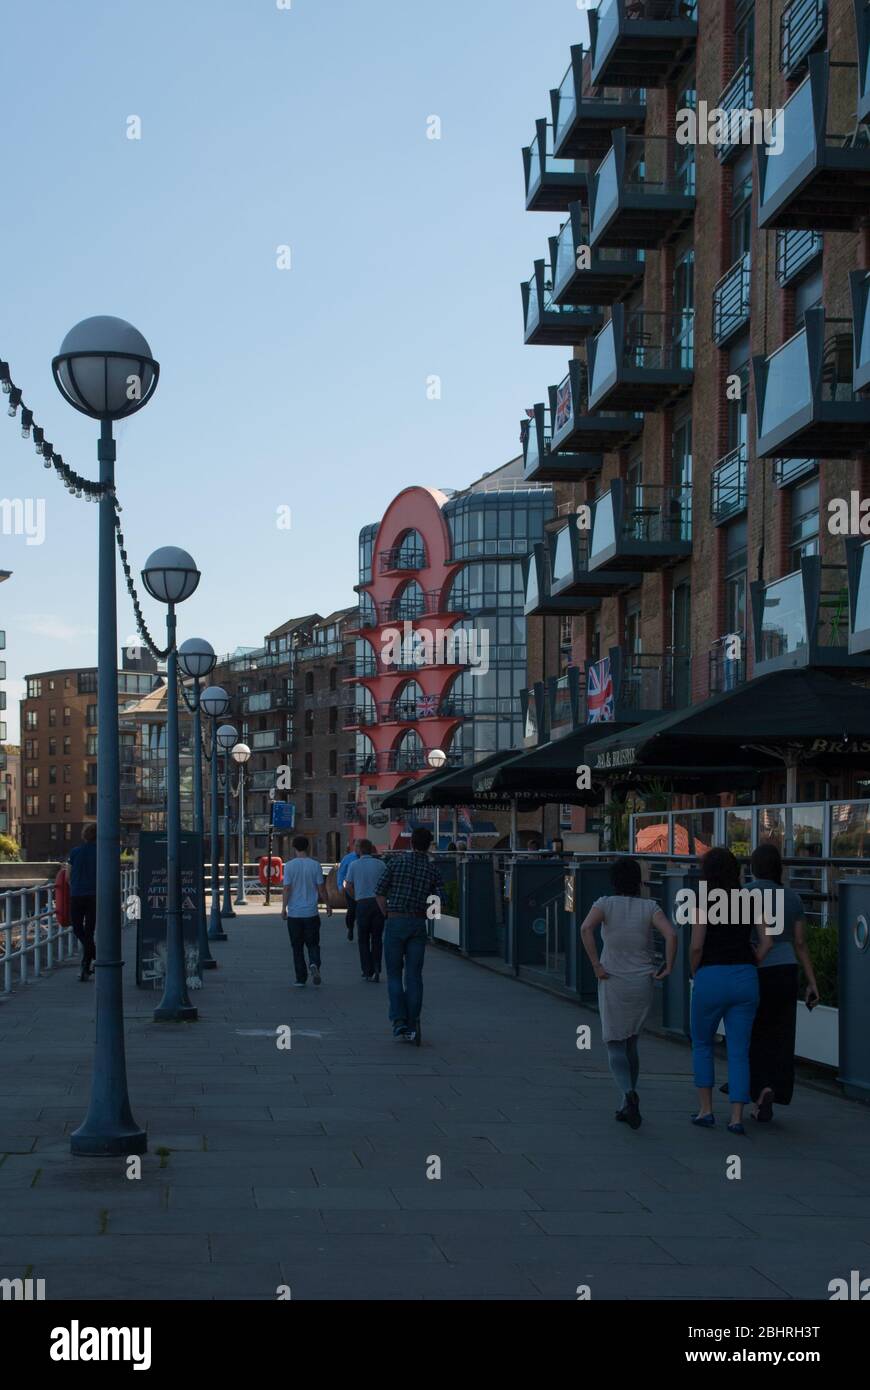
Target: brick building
(709, 296)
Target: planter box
(446, 929)
(818, 1034)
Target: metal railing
(794, 251)
(802, 25)
(728, 491)
(657, 341)
(731, 299)
(401, 558)
(31, 934)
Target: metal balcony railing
(658, 341)
(731, 297)
(727, 663)
(657, 680)
(736, 98)
(402, 558)
(653, 513)
(802, 27)
(795, 251)
(787, 471)
(728, 490)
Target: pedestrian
(82, 876)
(340, 878)
(405, 895)
(625, 973)
(771, 1051)
(724, 964)
(304, 890)
(361, 884)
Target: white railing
(31, 934)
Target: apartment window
(31, 805)
(67, 682)
(333, 805)
(67, 772)
(31, 748)
(67, 802)
(91, 804)
(52, 805)
(633, 639)
(91, 777)
(807, 295)
(31, 777)
(52, 831)
(67, 830)
(67, 745)
(309, 682)
(595, 638)
(681, 471)
(333, 678)
(52, 776)
(52, 717)
(309, 806)
(804, 523)
(91, 745)
(687, 100)
(741, 206)
(684, 306)
(309, 765)
(67, 715)
(333, 719)
(34, 688)
(309, 723)
(744, 33)
(31, 719)
(52, 747)
(736, 410)
(735, 577)
(333, 763)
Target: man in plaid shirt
(406, 889)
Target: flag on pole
(599, 693)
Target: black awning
(802, 716)
(545, 773)
(455, 786)
(398, 800)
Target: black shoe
(83, 976)
(350, 934)
(632, 1110)
(764, 1113)
(374, 979)
(400, 1031)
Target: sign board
(377, 819)
(151, 927)
(283, 815)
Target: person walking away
(304, 890)
(625, 973)
(340, 880)
(82, 875)
(363, 877)
(724, 964)
(771, 1050)
(409, 881)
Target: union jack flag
(599, 693)
(464, 820)
(563, 405)
(427, 706)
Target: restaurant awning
(455, 786)
(546, 773)
(785, 718)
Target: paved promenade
(308, 1167)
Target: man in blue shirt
(361, 886)
(82, 875)
(303, 890)
(340, 876)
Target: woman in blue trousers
(724, 964)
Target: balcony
(401, 559)
(806, 404)
(802, 28)
(548, 324)
(728, 486)
(858, 575)
(727, 663)
(576, 428)
(409, 607)
(262, 781)
(358, 717)
(583, 119)
(803, 619)
(263, 739)
(584, 275)
(645, 527)
(570, 574)
(736, 99)
(641, 42)
(859, 283)
(539, 601)
(731, 298)
(353, 813)
(264, 701)
(641, 360)
(638, 196)
(820, 179)
(625, 688)
(788, 471)
(795, 251)
(551, 184)
(542, 466)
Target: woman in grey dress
(625, 973)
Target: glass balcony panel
(566, 255)
(563, 561)
(603, 527)
(532, 590)
(608, 24)
(864, 340)
(832, 624)
(794, 128)
(606, 189)
(603, 359)
(533, 452)
(567, 104)
(784, 620)
(534, 165)
(787, 388)
(564, 406)
(533, 316)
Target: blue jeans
(404, 948)
(728, 992)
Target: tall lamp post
(437, 758)
(196, 659)
(170, 576)
(227, 737)
(105, 369)
(241, 754)
(216, 703)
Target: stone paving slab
(309, 1166)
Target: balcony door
(681, 643)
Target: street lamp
(216, 703)
(197, 659)
(105, 370)
(241, 754)
(170, 576)
(437, 758)
(227, 737)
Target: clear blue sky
(304, 388)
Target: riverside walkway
(308, 1167)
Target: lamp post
(437, 758)
(216, 703)
(197, 659)
(241, 754)
(105, 370)
(227, 737)
(170, 576)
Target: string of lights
(79, 486)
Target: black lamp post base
(217, 935)
(227, 912)
(87, 1143)
(176, 1013)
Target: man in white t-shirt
(304, 890)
